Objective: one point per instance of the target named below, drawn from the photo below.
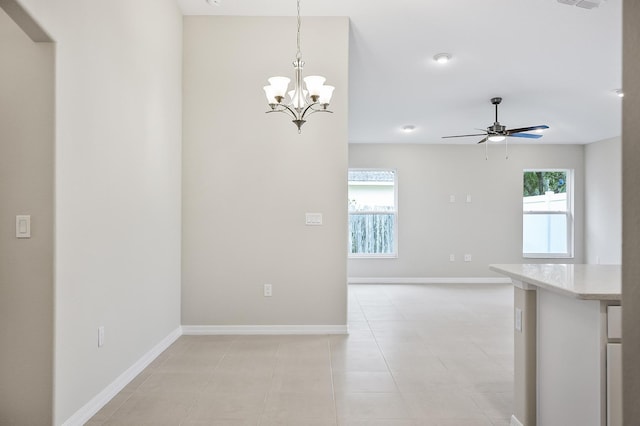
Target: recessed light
(619, 92)
(408, 128)
(213, 2)
(442, 58)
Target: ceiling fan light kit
(442, 58)
(301, 103)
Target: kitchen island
(567, 344)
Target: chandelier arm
(285, 110)
(314, 107)
(304, 113)
(313, 111)
(293, 113)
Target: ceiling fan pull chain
(486, 150)
(506, 149)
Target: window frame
(394, 212)
(569, 254)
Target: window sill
(373, 256)
(546, 256)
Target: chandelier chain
(299, 54)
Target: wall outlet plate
(100, 336)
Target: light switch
(518, 318)
(452, 198)
(468, 198)
(313, 219)
(23, 226)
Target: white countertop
(592, 282)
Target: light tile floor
(416, 355)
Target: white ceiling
(552, 63)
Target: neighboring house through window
(547, 221)
(373, 213)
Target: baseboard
(515, 422)
(429, 280)
(96, 403)
(195, 330)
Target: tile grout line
(333, 387)
(201, 393)
(268, 393)
(395, 383)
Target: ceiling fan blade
(483, 140)
(527, 129)
(463, 136)
(525, 135)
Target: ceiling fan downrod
(496, 102)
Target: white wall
(118, 186)
(249, 177)
(603, 202)
(26, 265)
(489, 228)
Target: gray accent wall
(631, 214)
(249, 177)
(489, 228)
(26, 265)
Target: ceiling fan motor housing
(497, 128)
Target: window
(547, 225)
(373, 215)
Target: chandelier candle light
(300, 103)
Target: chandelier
(300, 103)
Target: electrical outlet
(452, 258)
(518, 317)
(100, 336)
(467, 258)
(268, 290)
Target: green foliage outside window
(537, 183)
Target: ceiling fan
(497, 132)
